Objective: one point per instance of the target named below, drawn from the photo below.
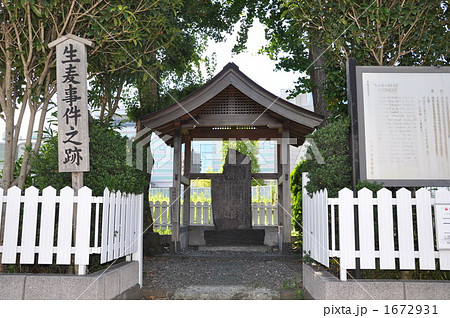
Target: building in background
(303, 100)
(20, 144)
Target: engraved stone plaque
(231, 194)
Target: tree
(332, 143)
(317, 37)
(27, 68)
(136, 58)
(374, 32)
(171, 66)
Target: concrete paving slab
(242, 249)
(234, 292)
(427, 290)
(11, 286)
(58, 287)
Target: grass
(294, 284)
(163, 232)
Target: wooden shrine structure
(230, 106)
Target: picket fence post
(386, 229)
(443, 197)
(346, 232)
(138, 254)
(366, 229)
(83, 229)
(425, 230)
(11, 229)
(47, 229)
(29, 226)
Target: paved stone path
(222, 274)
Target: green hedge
(333, 143)
(108, 166)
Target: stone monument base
(234, 237)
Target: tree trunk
(8, 163)
(147, 213)
(318, 78)
(26, 155)
(8, 170)
(8, 110)
(148, 92)
(148, 218)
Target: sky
(256, 66)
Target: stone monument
(231, 193)
(231, 198)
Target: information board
(442, 213)
(404, 125)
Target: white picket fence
(201, 214)
(388, 228)
(42, 225)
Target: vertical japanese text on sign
(73, 141)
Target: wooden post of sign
(354, 141)
(353, 114)
(73, 130)
(77, 184)
(77, 181)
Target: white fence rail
(201, 214)
(43, 224)
(388, 228)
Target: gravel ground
(166, 273)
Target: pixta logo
(136, 147)
(313, 154)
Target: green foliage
(200, 197)
(158, 197)
(296, 190)
(294, 284)
(204, 183)
(387, 33)
(170, 65)
(372, 186)
(332, 141)
(247, 147)
(17, 167)
(201, 183)
(175, 86)
(108, 166)
(45, 166)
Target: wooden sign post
(73, 133)
(73, 130)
